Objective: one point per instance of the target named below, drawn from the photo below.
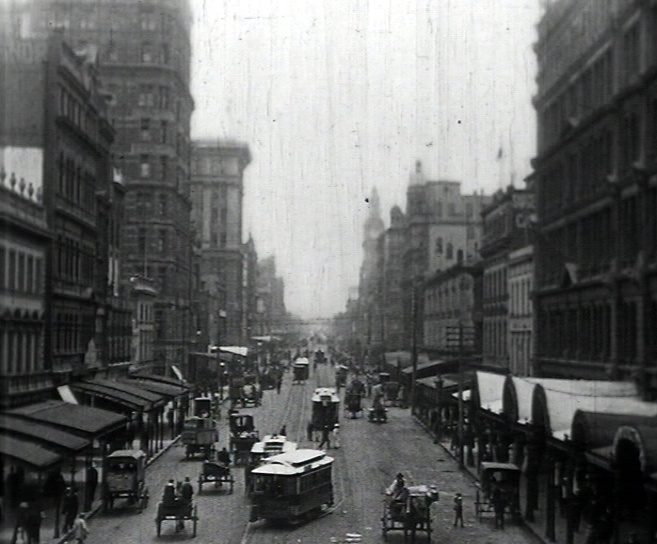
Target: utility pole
(413, 345)
(460, 399)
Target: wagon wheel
(428, 526)
(384, 525)
(194, 521)
(200, 484)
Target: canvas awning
(43, 434)
(161, 388)
(87, 421)
(490, 387)
(28, 452)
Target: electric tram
(292, 487)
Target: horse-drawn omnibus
(292, 486)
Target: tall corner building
(217, 193)
(596, 269)
(143, 50)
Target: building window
(164, 127)
(451, 207)
(163, 167)
(449, 253)
(148, 20)
(162, 241)
(146, 96)
(30, 286)
(11, 274)
(147, 52)
(163, 204)
(145, 129)
(163, 98)
(141, 241)
(3, 271)
(165, 59)
(439, 246)
(144, 166)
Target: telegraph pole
(460, 399)
(413, 345)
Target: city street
(367, 461)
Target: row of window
(76, 112)
(72, 332)
(20, 349)
(495, 283)
(495, 338)
(76, 183)
(73, 261)
(152, 131)
(150, 205)
(20, 271)
(520, 302)
(151, 96)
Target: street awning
(88, 421)
(180, 382)
(43, 434)
(242, 351)
(120, 398)
(490, 387)
(427, 369)
(164, 389)
(27, 452)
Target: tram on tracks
(292, 487)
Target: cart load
(217, 474)
(125, 479)
(199, 435)
(243, 435)
(179, 511)
(410, 512)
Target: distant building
(217, 191)
(505, 230)
(521, 313)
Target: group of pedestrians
(327, 432)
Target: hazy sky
(336, 97)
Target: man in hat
(458, 510)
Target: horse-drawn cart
(199, 436)
(410, 514)
(498, 483)
(180, 512)
(217, 474)
(243, 435)
(125, 479)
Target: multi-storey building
(505, 230)
(217, 191)
(143, 49)
(521, 315)
(370, 278)
(271, 315)
(24, 241)
(393, 245)
(443, 229)
(596, 253)
(452, 317)
(56, 115)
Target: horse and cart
(498, 487)
(217, 473)
(179, 511)
(125, 479)
(199, 436)
(353, 396)
(411, 513)
(243, 435)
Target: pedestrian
(310, 431)
(169, 494)
(499, 505)
(170, 421)
(91, 482)
(279, 383)
(224, 457)
(80, 528)
(283, 431)
(336, 435)
(458, 509)
(32, 524)
(326, 437)
(187, 491)
(70, 507)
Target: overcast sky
(336, 97)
